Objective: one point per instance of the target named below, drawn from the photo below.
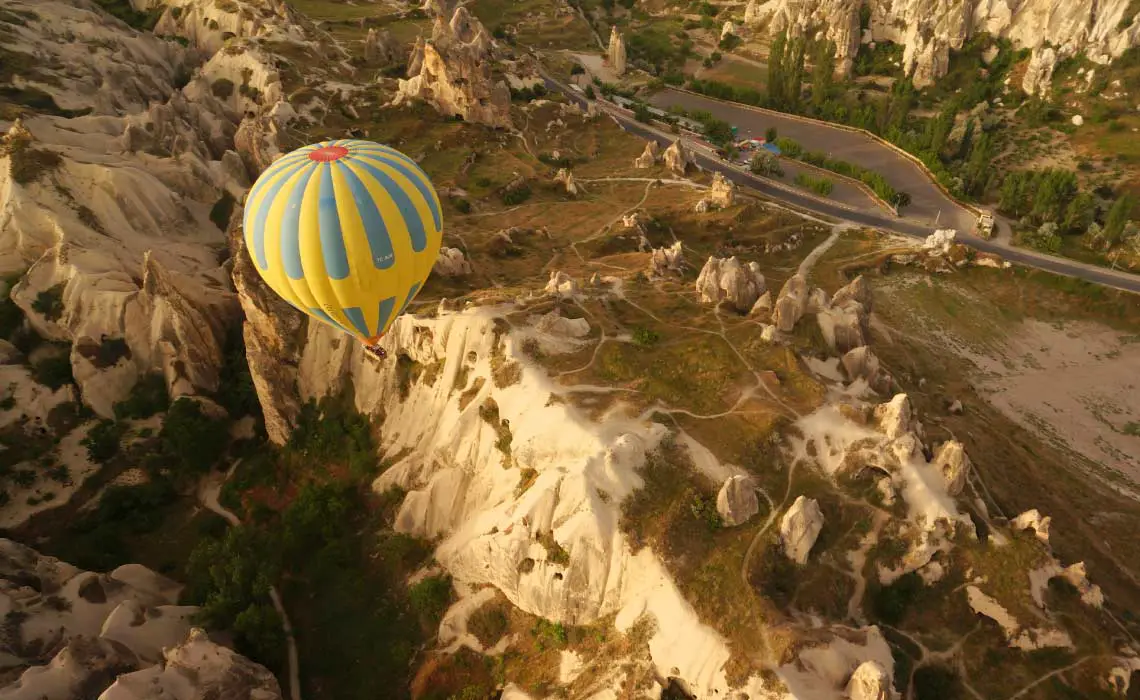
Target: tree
(771, 135)
(978, 167)
(776, 56)
(1117, 218)
(766, 163)
(823, 75)
(939, 129)
(192, 437)
(794, 85)
(967, 140)
(903, 96)
(1044, 238)
(642, 114)
(1080, 213)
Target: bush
(936, 683)
(49, 303)
(430, 598)
(577, 70)
(333, 432)
(222, 88)
(53, 372)
(461, 205)
(102, 441)
(147, 397)
(1045, 238)
(645, 337)
(190, 437)
(642, 114)
(767, 164)
(124, 10)
(516, 195)
(819, 185)
(890, 603)
(789, 147)
(489, 623)
(236, 392)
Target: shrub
(430, 598)
(516, 195)
(549, 633)
(489, 623)
(577, 70)
(102, 441)
(196, 441)
(1045, 238)
(54, 371)
(890, 603)
(222, 88)
(49, 303)
(766, 164)
(147, 397)
(819, 185)
(789, 147)
(461, 205)
(645, 337)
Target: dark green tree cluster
(1043, 195)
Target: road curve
(1030, 258)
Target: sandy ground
(1075, 384)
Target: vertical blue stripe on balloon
(262, 214)
(408, 299)
(320, 313)
(382, 319)
(291, 227)
(411, 215)
(356, 316)
(413, 173)
(332, 240)
(379, 241)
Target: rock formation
(941, 241)
(845, 322)
(565, 178)
(800, 527)
(732, 281)
(95, 627)
(649, 156)
(727, 30)
(752, 13)
(763, 305)
(451, 263)
(737, 502)
(561, 284)
(454, 76)
(862, 363)
(722, 192)
(1039, 74)
(666, 261)
(870, 681)
(954, 465)
(380, 46)
(790, 304)
(676, 158)
(615, 53)
(929, 29)
(895, 417)
(1033, 520)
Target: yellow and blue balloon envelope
(347, 231)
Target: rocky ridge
(929, 29)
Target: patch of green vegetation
(191, 438)
(937, 683)
(98, 540)
(49, 302)
(222, 210)
(11, 317)
(549, 634)
(124, 10)
(332, 432)
(236, 392)
(148, 396)
(222, 88)
(555, 552)
(890, 603)
(102, 441)
(430, 598)
(819, 185)
(516, 195)
(54, 371)
(489, 623)
(646, 337)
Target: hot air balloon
(347, 231)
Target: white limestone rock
(649, 157)
(732, 281)
(666, 261)
(791, 303)
(451, 263)
(561, 285)
(953, 463)
(1033, 520)
(737, 502)
(722, 192)
(800, 527)
(676, 158)
(895, 417)
(940, 241)
(615, 52)
(565, 178)
(870, 681)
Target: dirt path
(208, 491)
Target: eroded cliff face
(930, 29)
(75, 635)
(116, 195)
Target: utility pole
(937, 218)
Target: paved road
(873, 219)
(928, 203)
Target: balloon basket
(376, 351)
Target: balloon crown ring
(327, 154)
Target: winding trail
(208, 491)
